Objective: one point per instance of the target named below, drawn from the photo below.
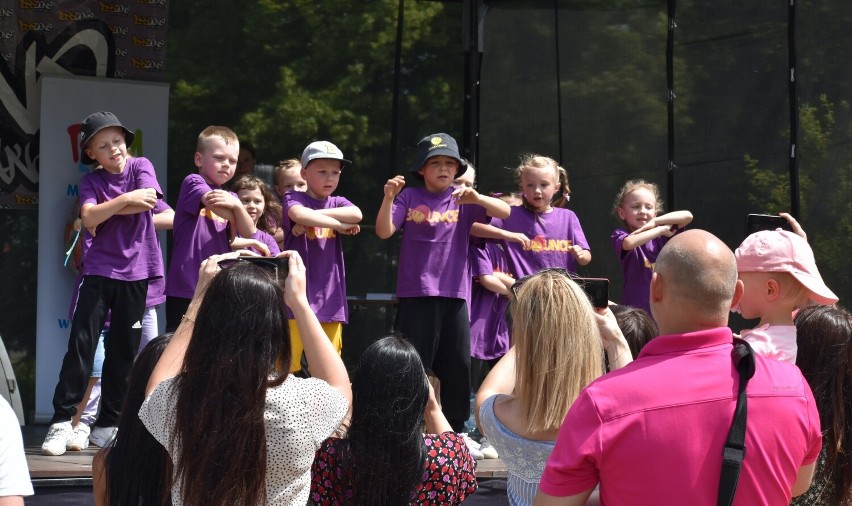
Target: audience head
(778, 269)
(246, 160)
(288, 177)
(694, 284)
(540, 178)
(238, 344)
(557, 346)
(637, 326)
(824, 337)
(138, 468)
(216, 154)
(389, 395)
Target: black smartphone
(597, 289)
(758, 222)
(277, 266)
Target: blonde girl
(523, 400)
(540, 233)
(643, 233)
(264, 210)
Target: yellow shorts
(334, 331)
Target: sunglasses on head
(275, 266)
(558, 270)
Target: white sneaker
(472, 447)
(79, 438)
(57, 438)
(487, 449)
(102, 436)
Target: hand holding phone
(597, 289)
(758, 222)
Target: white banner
(142, 107)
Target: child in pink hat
(779, 275)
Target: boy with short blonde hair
(288, 177)
(206, 218)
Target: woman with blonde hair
(556, 351)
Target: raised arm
(229, 207)
(137, 201)
(487, 231)
(436, 422)
(171, 361)
(500, 380)
(325, 362)
(384, 219)
(665, 225)
(494, 207)
(612, 339)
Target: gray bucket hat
(436, 145)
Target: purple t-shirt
(489, 331)
(552, 234)
(637, 266)
(125, 245)
(198, 234)
(268, 240)
(322, 252)
(435, 240)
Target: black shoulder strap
(734, 453)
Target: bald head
(699, 275)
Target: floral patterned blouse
(449, 475)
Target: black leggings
(439, 328)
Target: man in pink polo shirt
(653, 431)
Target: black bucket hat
(93, 124)
(436, 145)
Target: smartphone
(758, 222)
(277, 266)
(597, 289)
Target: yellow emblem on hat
(436, 141)
(330, 148)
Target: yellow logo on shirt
(540, 243)
(649, 265)
(314, 233)
(210, 215)
(422, 214)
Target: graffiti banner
(122, 39)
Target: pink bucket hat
(783, 251)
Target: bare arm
(346, 214)
(486, 231)
(164, 220)
(436, 422)
(241, 243)
(658, 226)
(139, 200)
(612, 339)
(325, 362)
(99, 478)
(312, 218)
(495, 284)
(542, 499)
(12, 500)
(230, 208)
(803, 480)
(384, 219)
(500, 380)
(494, 207)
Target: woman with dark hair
(824, 337)
(240, 429)
(384, 458)
(637, 326)
(134, 468)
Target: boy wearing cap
(324, 217)
(207, 217)
(116, 202)
(433, 277)
(779, 275)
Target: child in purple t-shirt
(642, 237)
(264, 209)
(313, 221)
(116, 200)
(207, 218)
(540, 233)
(433, 280)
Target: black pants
(439, 328)
(98, 296)
(175, 308)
